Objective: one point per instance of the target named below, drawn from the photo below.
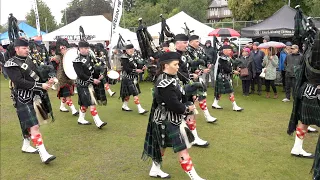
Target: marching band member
(167, 126)
(102, 56)
(23, 74)
(84, 67)
(198, 65)
(66, 85)
(223, 72)
(129, 83)
(181, 43)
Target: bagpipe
(145, 40)
(165, 31)
(187, 31)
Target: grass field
(251, 145)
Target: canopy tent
(176, 24)
(96, 28)
(280, 24)
(29, 30)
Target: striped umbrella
(224, 32)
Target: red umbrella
(272, 44)
(224, 32)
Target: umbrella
(272, 44)
(226, 32)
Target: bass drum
(68, 59)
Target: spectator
(291, 62)
(266, 50)
(271, 63)
(283, 55)
(257, 57)
(3, 59)
(246, 62)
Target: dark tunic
(24, 91)
(84, 67)
(129, 83)
(167, 114)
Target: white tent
(97, 29)
(176, 25)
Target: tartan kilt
(27, 116)
(84, 97)
(223, 86)
(65, 91)
(100, 94)
(316, 163)
(128, 88)
(310, 111)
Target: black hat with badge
(21, 42)
(181, 37)
(83, 44)
(169, 56)
(129, 46)
(193, 37)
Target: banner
(117, 13)
(37, 17)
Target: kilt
(128, 88)
(310, 111)
(100, 94)
(223, 86)
(316, 163)
(65, 91)
(84, 97)
(27, 116)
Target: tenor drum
(113, 76)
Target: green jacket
(271, 67)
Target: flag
(37, 17)
(117, 13)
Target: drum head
(68, 59)
(112, 74)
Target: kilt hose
(84, 97)
(27, 116)
(100, 94)
(316, 163)
(222, 86)
(66, 90)
(129, 88)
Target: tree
(314, 7)
(45, 17)
(78, 8)
(150, 10)
(246, 10)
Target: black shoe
(203, 146)
(50, 159)
(104, 123)
(88, 123)
(301, 156)
(113, 94)
(35, 152)
(76, 113)
(128, 110)
(259, 93)
(64, 111)
(144, 112)
(251, 92)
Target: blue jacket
(283, 55)
(257, 59)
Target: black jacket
(82, 69)
(247, 62)
(211, 54)
(183, 72)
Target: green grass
(251, 145)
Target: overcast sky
(19, 8)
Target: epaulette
(10, 63)
(165, 82)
